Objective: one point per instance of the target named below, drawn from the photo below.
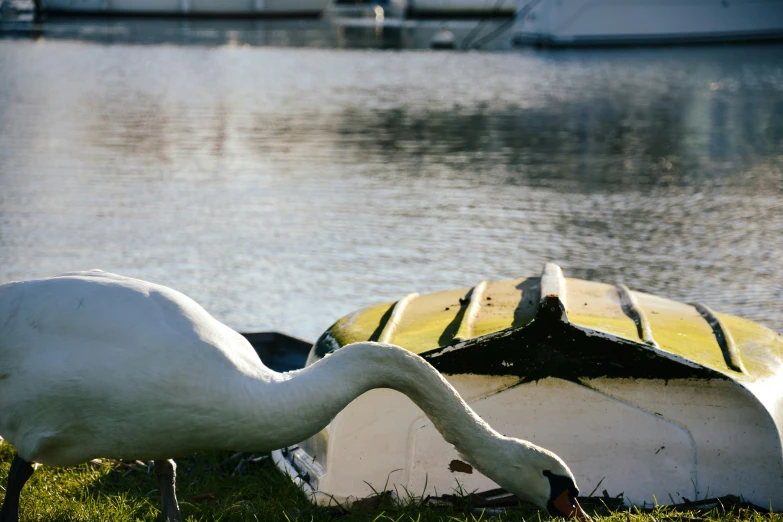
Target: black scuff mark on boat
(34, 324)
(325, 344)
(457, 466)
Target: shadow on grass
(228, 487)
(211, 486)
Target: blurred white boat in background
(188, 7)
(601, 22)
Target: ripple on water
(283, 188)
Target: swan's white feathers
(93, 355)
(99, 310)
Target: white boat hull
(655, 442)
(188, 7)
(591, 22)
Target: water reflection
(139, 127)
(603, 143)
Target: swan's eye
(546, 473)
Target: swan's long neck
(307, 400)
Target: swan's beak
(568, 506)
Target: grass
(215, 487)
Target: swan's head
(538, 476)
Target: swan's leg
(20, 472)
(167, 478)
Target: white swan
(94, 364)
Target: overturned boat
(645, 398)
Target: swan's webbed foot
(18, 475)
(167, 478)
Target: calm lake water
(283, 187)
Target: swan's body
(139, 370)
(94, 364)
